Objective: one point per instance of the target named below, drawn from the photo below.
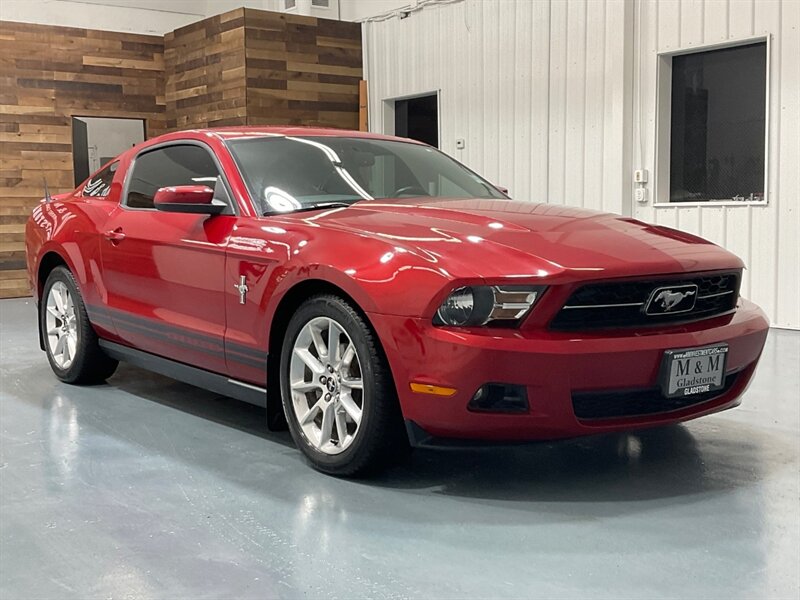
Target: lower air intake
(634, 403)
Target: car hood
(502, 238)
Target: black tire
(381, 439)
(89, 364)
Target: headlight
(480, 305)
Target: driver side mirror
(502, 189)
(194, 199)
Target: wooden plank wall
(47, 75)
(205, 73)
(302, 70)
(259, 68)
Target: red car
(378, 294)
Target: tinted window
(100, 184)
(173, 165)
(286, 173)
(718, 121)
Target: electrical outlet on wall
(640, 194)
(460, 143)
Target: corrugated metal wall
(543, 93)
(520, 82)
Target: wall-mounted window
(713, 123)
(292, 4)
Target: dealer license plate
(693, 371)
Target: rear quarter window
(99, 184)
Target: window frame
(293, 7)
(123, 201)
(664, 122)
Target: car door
(164, 271)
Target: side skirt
(220, 384)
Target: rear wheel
(70, 341)
(338, 394)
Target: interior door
(165, 271)
(80, 151)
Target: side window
(173, 165)
(100, 185)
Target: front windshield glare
(285, 174)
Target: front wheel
(338, 394)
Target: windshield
(284, 174)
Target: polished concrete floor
(148, 488)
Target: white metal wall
(544, 93)
(520, 82)
(356, 10)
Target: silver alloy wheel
(61, 325)
(326, 384)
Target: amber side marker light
(434, 390)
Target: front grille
(589, 406)
(623, 303)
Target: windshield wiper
(316, 206)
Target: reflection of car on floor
(376, 293)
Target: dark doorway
(418, 119)
(80, 150)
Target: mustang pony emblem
(242, 288)
(670, 299)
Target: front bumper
(553, 366)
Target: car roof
(239, 132)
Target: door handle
(115, 235)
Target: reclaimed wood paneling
(258, 68)
(205, 73)
(302, 70)
(47, 75)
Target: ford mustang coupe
(374, 294)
